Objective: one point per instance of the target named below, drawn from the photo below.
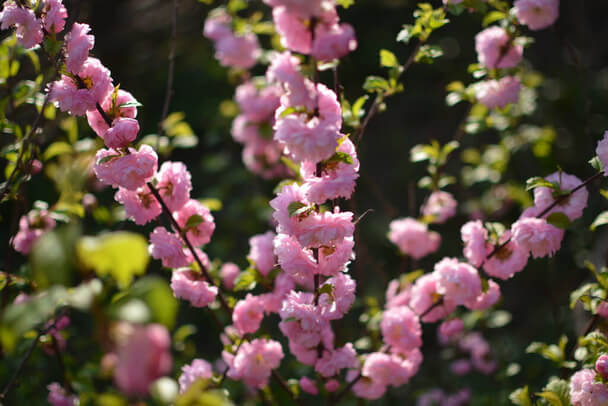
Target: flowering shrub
(314, 313)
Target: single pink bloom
(486, 299)
(191, 286)
(248, 314)
(238, 51)
(496, 50)
(31, 227)
(309, 386)
(254, 362)
(401, 329)
(498, 93)
(508, 260)
(585, 391)
(536, 235)
(296, 261)
(333, 41)
(536, 14)
(140, 205)
(458, 281)
(294, 31)
(333, 361)
(335, 305)
(257, 105)
(440, 206)
(572, 206)
(413, 237)
(122, 133)
(474, 235)
(198, 234)
(78, 44)
(29, 28)
(261, 252)
(54, 15)
(167, 247)
(130, 171)
(602, 309)
(60, 397)
(228, 273)
(425, 299)
(218, 25)
(174, 184)
(112, 110)
(197, 369)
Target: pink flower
(174, 184)
(332, 362)
(440, 206)
(122, 133)
(283, 284)
(167, 247)
(433, 397)
(425, 299)
(130, 171)
(286, 222)
(387, 369)
(366, 387)
(335, 305)
(258, 105)
(29, 28)
(78, 44)
(303, 8)
(191, 286)
(498, 93)
(536, 235)
(458, 281)
(54, 15)
(572, 206)
(113, 111)
(239, 51)
(198, 369)
(496, 50)
(254, 362)
(60, 397)
(602, 309)
(309, 386)
(397, 296)
(143, 358)
(332, 385)
(31, 227)
(601, 365)
(461, 367)
(401, 329)
(78, 98)
(536, 14)
(200, 229)
(296, 261)
(602, 151)
(228, 273)
(140, 205)
(413, 237)
(325, 229)
(486, 299)
(263, 157)
(294, 31)
(248, 314)
(508, 260)
(261, 252)
(218, 25)
(449, 329)
(474, 236)
(333, 41)
(336, 179)
(333, 259)
(585, 391)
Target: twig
(285, 387)
(170, 74)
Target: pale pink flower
(486, 299)
(474, 235)
(197, 369)
(284, 68)
(283, 284)
(335, 305)
(413, 237)
(303, 8)
(601, 365)
(425, 299)
(336, 179)
(325, 229)
(296, 261)
(401, 329)
(261, 252)
(54, 15)
(440, 206)
(254, 362)
(174, 184)
(248, 314)
(286, 222)
(585, 391)
(218, 25)
(200, 233)
(140, 205)
(508, 260)
(309, 386)
(229, 273)
(498, 93)
(130, 171)
(458, 281)
(333, 361)
(60, 397)
(386, 369)
(333, 259)
(263, 157)
(78, 44)
(496, 50)
(245, 131)
(536, 235)
(192, 286)
(31, 227)
(143, 358)
(333, 41)
(239, 51)
(602, 152)
(122, 133)
(258, 105)
(294, 31)
(77, 98)
(167, 247)
(602, 309)
(112, 110)
(536, 14)
(397, 296)
(29, 28)
(366, 387)
(572, 206)
(449, 329)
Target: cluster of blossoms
(30, 28)
(500, 49)
(437, 397)
(31, 227)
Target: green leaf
(428, 53)
(600, 220)
(340, 157)
(158, 297)
(294, 207)
(358, 106)
(596, 163)
(246, 280)
(346, 3)
(492, 17)
(521, 397)
(406, 33)
(328, 289)
(376, 84)
(388, 59)
(537, 181)
(122, 255)
(107, 159)
(212, 204)
(194, 221)
(557, 392)
(559, 220)
(581, 292)
(52, 256)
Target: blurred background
(132, 39)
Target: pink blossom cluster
(197, 369)
(254, 361)
(29, 27)
(586, 391)
(238, 50)
(498, 93)
(31, 227)
(58, 396)
(312, 29)
(536, 14)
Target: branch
(170, 74)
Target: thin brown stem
(285, 387)
(170, 74)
